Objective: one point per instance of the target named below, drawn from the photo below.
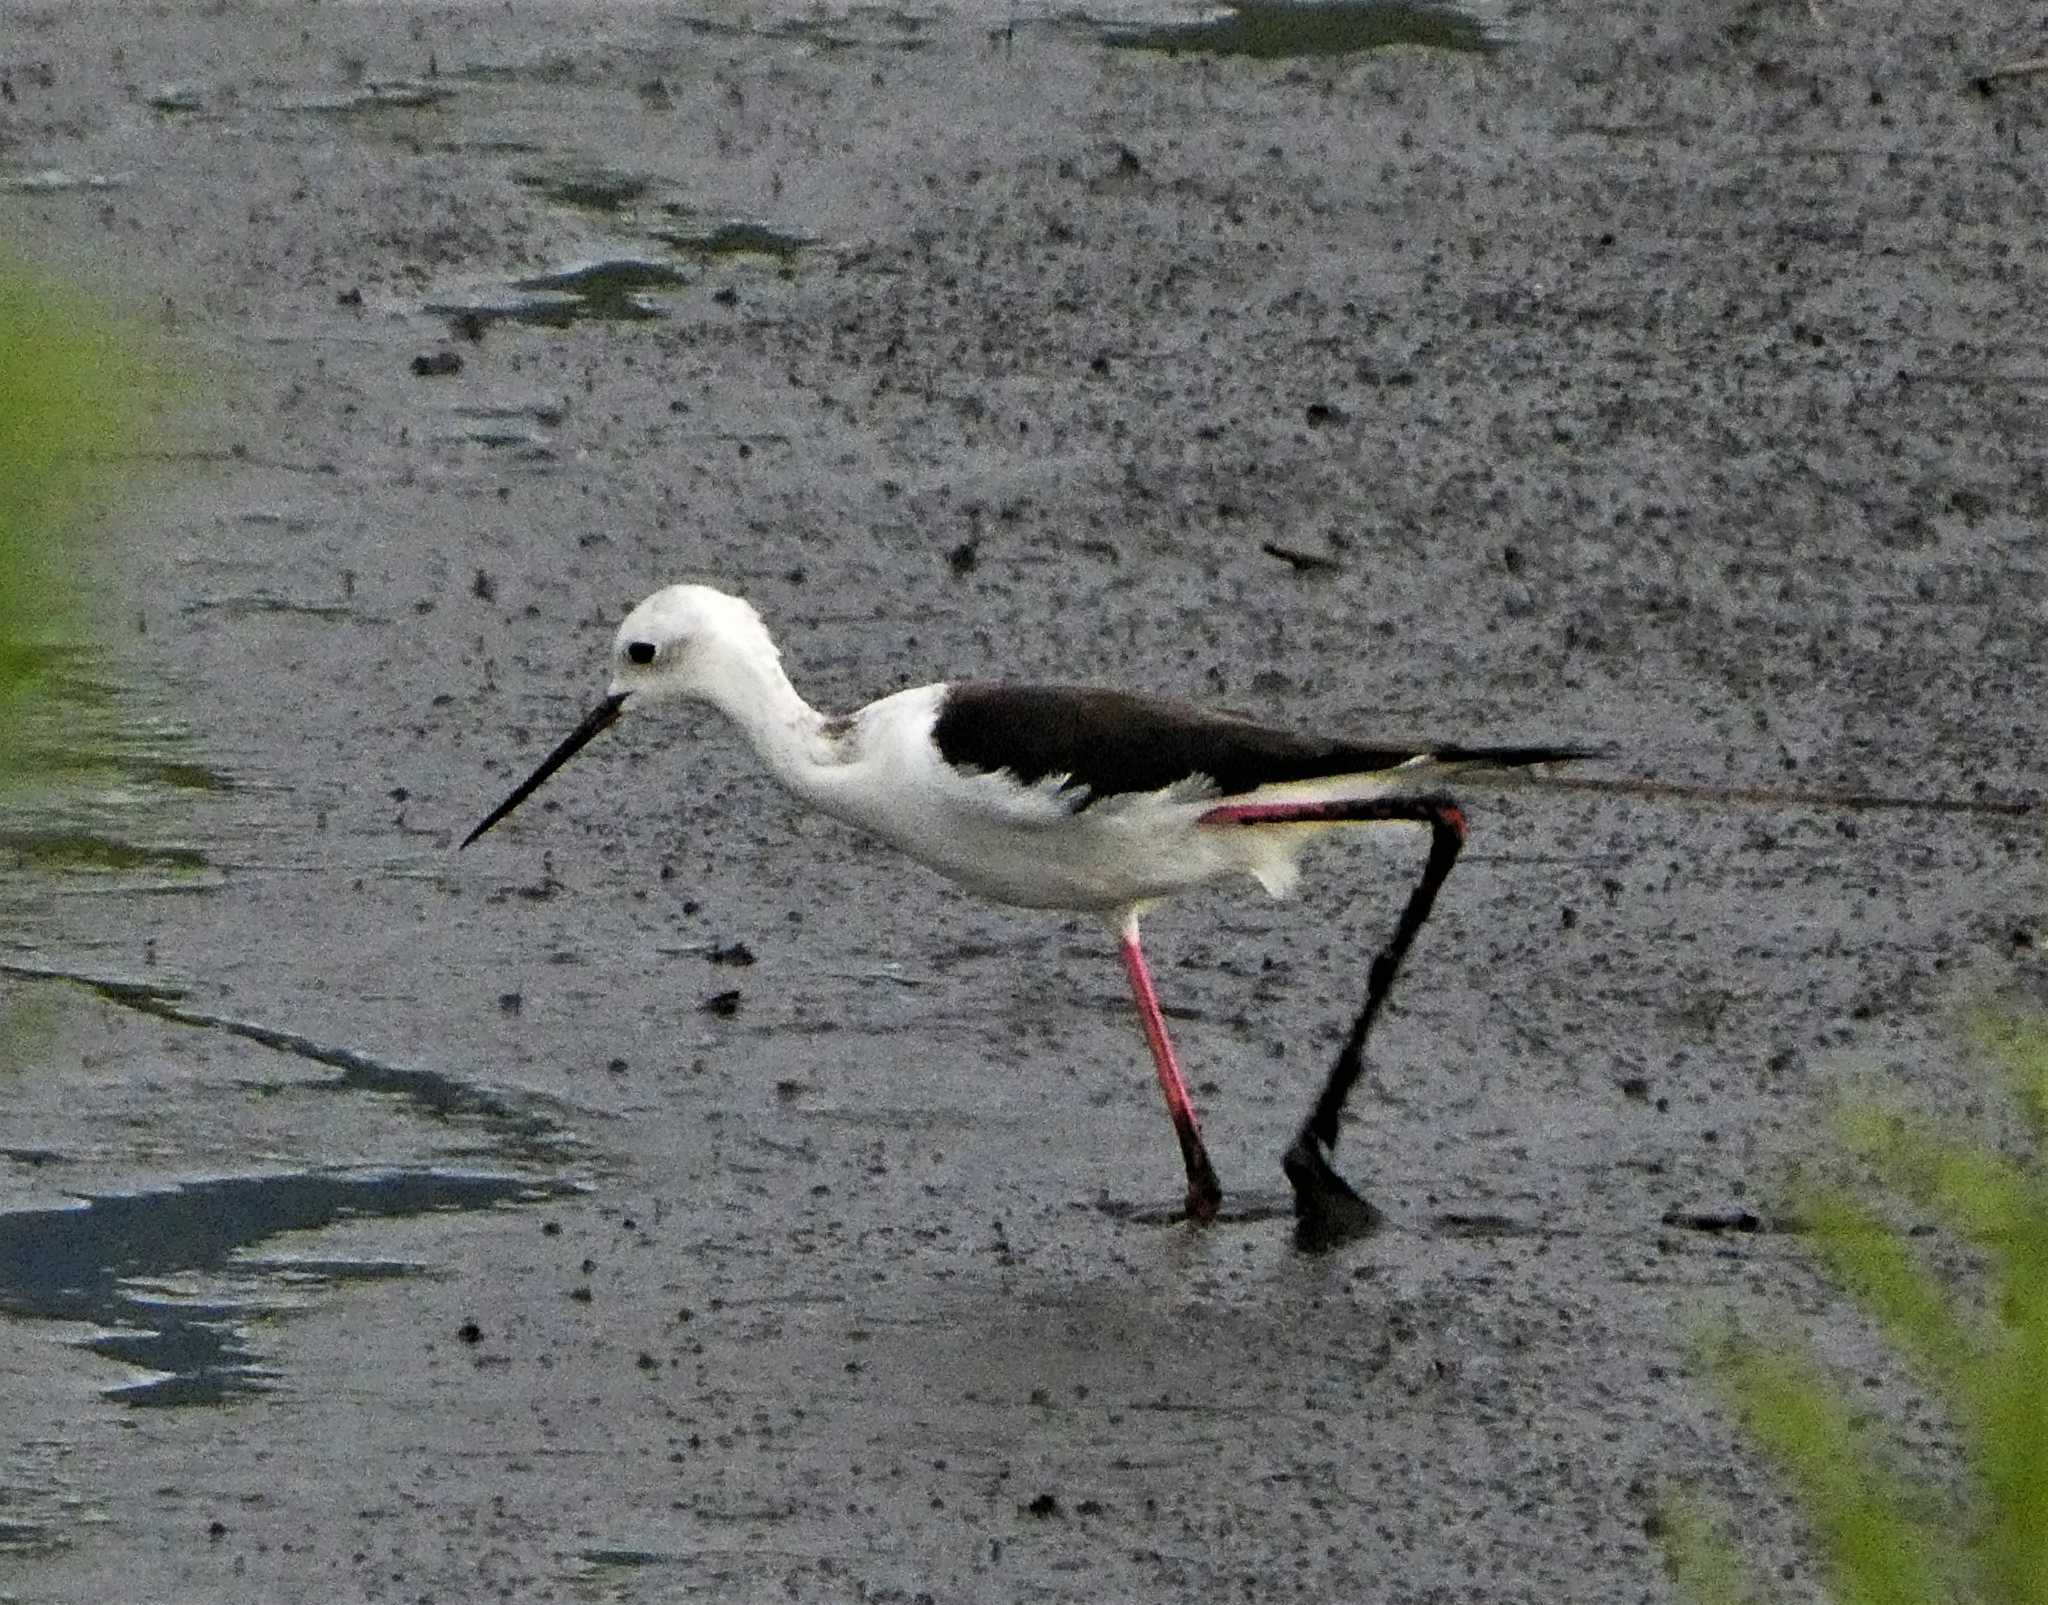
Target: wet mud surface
(1668, 382)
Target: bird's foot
(1327, 1211)
(1204, 1201)
(1205, 1192)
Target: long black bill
(600, 719)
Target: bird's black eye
(640, 651)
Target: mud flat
(1667, 381)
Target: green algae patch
(1281, 31)
(90, 850)
(588, 189)
(737, 239)
(617, 290)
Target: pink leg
(1204, 1192)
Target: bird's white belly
(1118, 853)
(1082, 864)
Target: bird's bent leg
(1447, 837)
(1204, 1192)
(1327, 1210)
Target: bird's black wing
(1109, 743)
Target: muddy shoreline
(1667, 383)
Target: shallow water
(170, 1281)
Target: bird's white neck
(789, 735)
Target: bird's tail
(1512, 757)
(1369, 775)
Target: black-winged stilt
(1069, 798)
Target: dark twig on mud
(2033, 67)
(1301, 562)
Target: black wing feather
(1113, 742)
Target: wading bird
(1062, 797)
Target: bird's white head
(689, 641)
